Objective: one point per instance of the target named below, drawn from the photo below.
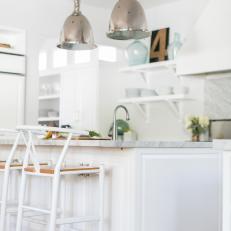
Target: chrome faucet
(115, 132)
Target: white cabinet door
(11, 100)
(226, 191)
(180, 192)
(12, 63)
(79, 98)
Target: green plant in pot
(197, 125)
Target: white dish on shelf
(148, 92)
(132, 92)
(168, 90)
(53, 114)
(181, 90)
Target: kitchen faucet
(115, 132)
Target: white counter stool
(55, 174)
(6, 167)
(9, 206)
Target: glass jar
(174, 47)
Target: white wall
(164, 125)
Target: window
(107, 53)
(59, 58)
(82, 57)
(42, 61)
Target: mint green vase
(137, 53)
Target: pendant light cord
(77, 7)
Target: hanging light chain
(77, 7)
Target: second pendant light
(128, 21)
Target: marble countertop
(222, 144)
(117, 144)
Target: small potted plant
(197, 125)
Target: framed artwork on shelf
(159, 45)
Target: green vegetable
(122, 127)
(94, 134)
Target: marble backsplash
(217, 101)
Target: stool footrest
(35, 221)
(72, 220)
(36, 209)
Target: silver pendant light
(77, 33)
(128, 21)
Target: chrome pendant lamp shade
(77, 33)
(128, 21)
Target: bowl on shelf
(148, 93)
(166, 90)
(132, 92)
(43, 113)
(181, 90)
(53, 114)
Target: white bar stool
(55, 173)
(6, 167)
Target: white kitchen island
(164, 186)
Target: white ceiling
(111, 3)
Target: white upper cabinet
(12, 88)
(12, 76)
(208, 47)
(12, 64)
(79, 97)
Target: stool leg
(54, 202)
(101, 199)
(8, 222)
(62, 200)
(4, 199)
(21, 201)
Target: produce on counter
(122, 127)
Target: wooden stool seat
(51, 170)
(16, 165)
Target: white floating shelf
(49, 97)
(11, 30)
(11, 51)
(49, 73)
(48, 119)
(153, 99)
(150, 67)
(143, 103)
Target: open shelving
(150, 67)
(11, 51)
(153, 99)
(49, 97)
(48, 119)
(143, 103)
(49, 73)
(146, 72)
